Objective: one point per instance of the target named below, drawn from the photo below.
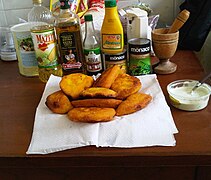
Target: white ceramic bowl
(181, 97)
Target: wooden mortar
(164, 45)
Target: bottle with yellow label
(112, 37)
(46, 52)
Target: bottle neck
(35, 4)
(89, 28)
(111, 11)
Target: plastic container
(137, 23)
(24, 46)
(7, 47)
(112, 36)
(46, 52)
(181, 97)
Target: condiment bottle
(39, 14)
(112, 37)
(68, 33)
(46, 51)
(91, 48)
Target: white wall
(11, 10)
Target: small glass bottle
(91, 48)
(40, 14)
(68, 33)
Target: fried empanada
(98, 92)
(125, 85)
(107, 77)
(73, 84)
(92, 114)
(58, 102)
(107, 103)
(133, 103)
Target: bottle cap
(110, 3)
(37, 1)
(88, 17)
(64, 4)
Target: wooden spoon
(179, 21)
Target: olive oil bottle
(68, 34)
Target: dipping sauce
(181, 96)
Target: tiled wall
(12, 10)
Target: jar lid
(110, 3)
(88, 17)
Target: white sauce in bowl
(186, 92)
(182, 98)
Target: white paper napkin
(151, 126)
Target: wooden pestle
(179, 21)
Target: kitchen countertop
(189, 159)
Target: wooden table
(189, 159)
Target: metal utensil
(201, 81)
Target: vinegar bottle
(91, 48)
(68, 33)
(112, 37)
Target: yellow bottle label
(112, 41)
(45, 48)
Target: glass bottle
(39, 14)
(91, 48)
(112, 36)
(69, 39)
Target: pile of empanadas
(86, 100)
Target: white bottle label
(93, 60)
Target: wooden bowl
(164, 46)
